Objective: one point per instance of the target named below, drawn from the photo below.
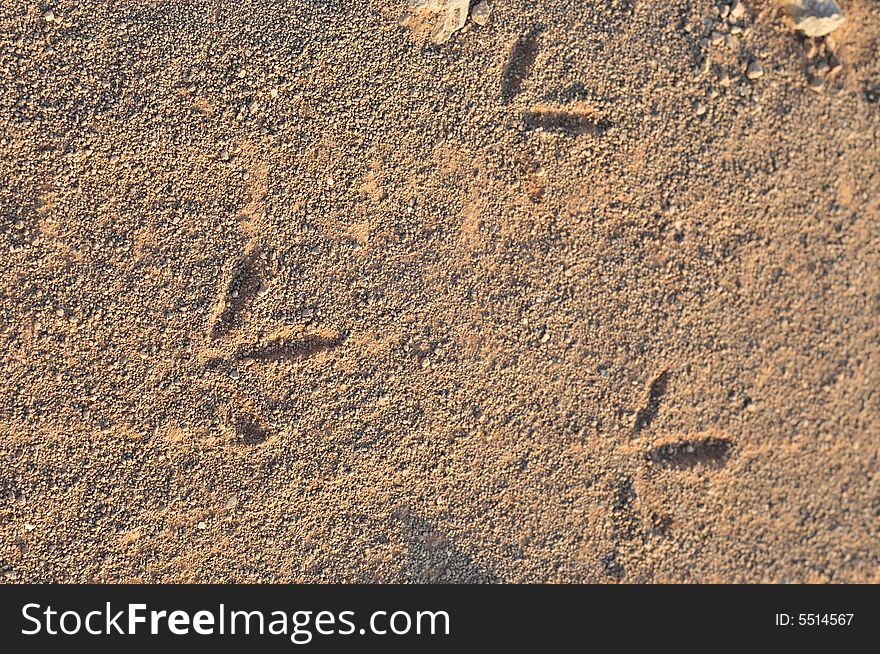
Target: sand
(288, 292)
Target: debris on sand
(450, 16)
(815, 17)
(754, 70)
(481, 12)
(738, 10)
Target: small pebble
(816, 84)
(699, 108)
(738, 10)
(704, 66)
(49, 16)
(835, 65)
(480, 13)
(234, 374)
(202, 525)
(754, 70)
(810, 49)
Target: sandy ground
(290, 293)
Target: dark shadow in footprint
(519, 64)
(572, 123)
(250, 431)
(710, 452)
(646, 414)
(242, 288)
(434, 559)
(289, 349)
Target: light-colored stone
(834, 65)
(815, 17)
(738, 10)
(453, 15)
(481, 12)
(755, 70)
